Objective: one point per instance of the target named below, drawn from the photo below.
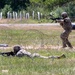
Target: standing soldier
(65, 22)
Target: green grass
(32, 37)
(28, 37)
(23, 21)
(36, 66)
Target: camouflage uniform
(21, 52)
(67, 26)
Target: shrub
(57, 12)
(70, 8)
(5, 10)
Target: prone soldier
(22, 52)
(19, 52)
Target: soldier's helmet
(64, 14)
(16, 49)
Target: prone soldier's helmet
(16, 49)
(64, 14)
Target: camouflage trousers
(64, 36)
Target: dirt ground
(46, 26)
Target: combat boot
(69, 45)
(62, 56)
(64, 45)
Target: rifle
(54, 19)
(7, 53)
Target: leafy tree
(44, 6)
(15, 4)
(19, 4)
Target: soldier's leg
(45, 57)
(62, 36)
(58, 57)
(68, 43)
(38, 55)
(64, 43)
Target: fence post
(16, 15)
(33, 15)
(27, 15)
(38, 14)
(20, 15)
(41, 15)
(23, 14)
(13, 15)
(0, 15)
(8, 15)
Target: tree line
(43, 6)
(14, 4)
(23, 4)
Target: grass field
(44, 38)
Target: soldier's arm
(61, 21)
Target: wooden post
(27, 15)
(41, 15)
(0, 15)
(20, 15)
(8, 15)
(38, 14)
(16, 15)
(23, 14)
(33, 15)
(13, 15)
